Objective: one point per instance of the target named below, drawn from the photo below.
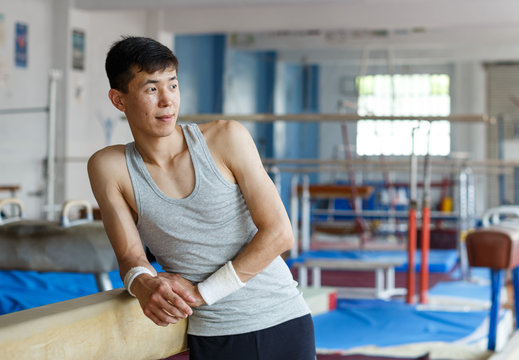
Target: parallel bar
(200, 118)
(108, 325)
(319, 164)
(403, 168)
(24, 110)
(364, 160)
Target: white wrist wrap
(222, 283)
(132, 275)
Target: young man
(199, 198)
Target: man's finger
(162, 319)
(175, 302)
(176, 283)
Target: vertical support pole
(515, 280)
(303, 276)
(516, 185)
(463, 218)
(497, 279)
(294, 215)
(426, 220)
(501, 149)
(411, 227)
(356, 202)
(379, 283)
(103, 281)
(316, 277)
(54, 77)
(390, 279)
(305, 215)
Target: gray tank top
(196, 235)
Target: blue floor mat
(22, 290)
(376, 322)
(477, 274)
(441, 261)
(462, 289)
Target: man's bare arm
(274, 234)
(162, 300)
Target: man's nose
(166, 98)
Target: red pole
(424, 268)
(411, 248)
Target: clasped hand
(166, 298)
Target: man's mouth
(167, 117)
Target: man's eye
(151, 89)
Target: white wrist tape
(222, 283)
(132, 275)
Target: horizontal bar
(200, 118)
(375, 160)
(23, 110)
(404, 214)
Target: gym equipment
(80, 246)
(496, 246)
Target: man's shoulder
(110, 155)
(222, 130)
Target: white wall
(23, 138)
(90, 110)
(83, 101)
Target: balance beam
(107, 325)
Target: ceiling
(481, 29)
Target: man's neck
(160, 150)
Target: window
(405, 95)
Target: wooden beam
(107, 325)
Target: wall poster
(78, 50)
(20, 41)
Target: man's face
(152, 102)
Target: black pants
(291, 340)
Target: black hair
(133, 54)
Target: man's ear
(117, 99)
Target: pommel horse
(496, 246)
(80, 246)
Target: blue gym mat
(381, 323)
(440, 261)
(22, 290)
(462, 289)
